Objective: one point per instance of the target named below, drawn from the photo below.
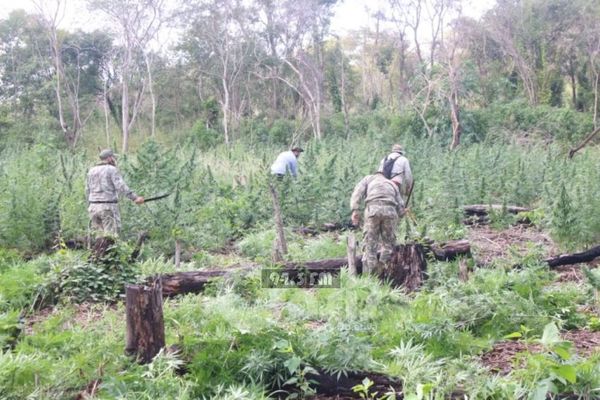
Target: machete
(409, 193)
(162, 196)
(409, 213)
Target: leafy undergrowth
(241, 341)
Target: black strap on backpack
(388, 166)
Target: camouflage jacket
(104, 183)
(376, 189)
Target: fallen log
(451, 250)
(479, 214)
(326, 227)
(574, 258)
(195, 281)
(484, 209)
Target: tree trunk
(406, 267)
(585, 141)
(596, 95)
(100, 247)
(145, 331)
(575, 258)
(343, 100)
(450, 250)
(281, 242)
(195, 281)
(125, 96)
(177, 253)
(106, 111)
(484, 209)
(455, 118)
(152, 96)
(351, 252)
(463, 270)
(573, 83)
(408, 260)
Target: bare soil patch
(488, 244)
(503, 358)
(85, 315)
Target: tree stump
(101, 247)
(407, 267)
(145, 334)
(281, 244)
(463, 270)
(351, 253)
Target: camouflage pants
(106, 219)
(379, 230)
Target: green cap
(104, 154)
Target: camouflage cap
(104, 154)
(397, 148)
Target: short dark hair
(298, 149)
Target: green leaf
(292, 364)
(550, 336)
(562, 350)
(514, 335)
(542, 389)
(567, 372)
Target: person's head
(108, 156)
(297, 150)
(397, 148)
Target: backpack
(388, 166)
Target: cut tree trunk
(100, 248)
(177, 253)
(409, 259)
(195, 281)
(407, 267)
(326, 227)
(281, 245)
(484, 209)
(479, 213)
(145, 330)
(575, 258)
(451, 250)
(463, 270)
(142, 236)
(351, 253)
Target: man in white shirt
(397, 165)
(287, 161)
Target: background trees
(273, 70)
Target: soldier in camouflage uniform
(383, 207)
(103, 185)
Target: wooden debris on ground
(479, 214)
